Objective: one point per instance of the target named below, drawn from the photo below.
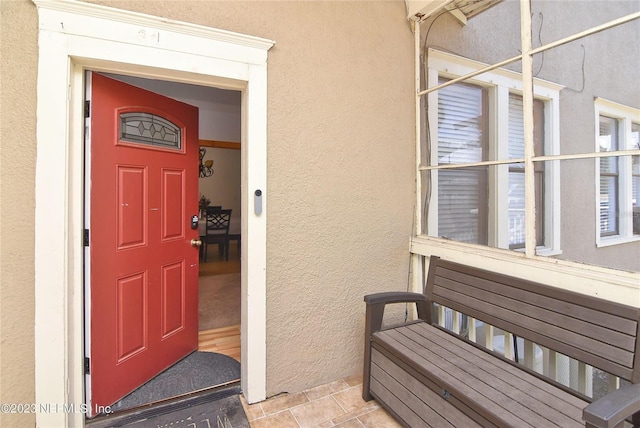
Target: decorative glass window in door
(150, 129)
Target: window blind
(462, 201)
(516, 173)
(608, 141)
(635, 178)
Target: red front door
(143, 267)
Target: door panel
(131, 309)
(173, 295)
(132, 192)
(144, 271)
(173, 215)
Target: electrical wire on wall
(409, 271)
(427, 145)
(540, 42)
(426, 153)
(428, 156)
(584, 55)
(543, 53)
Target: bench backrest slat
(600, 333)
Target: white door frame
(74, 37)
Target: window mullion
(527, 102)
(500, 178)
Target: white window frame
(500, 83)
(625, 116)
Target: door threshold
(165, 406)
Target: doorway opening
(119, 41)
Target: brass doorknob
(196, 242)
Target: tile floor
(336, 404)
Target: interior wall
(340, 177)
(223, 187)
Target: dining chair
(213, 208)
(217, 232)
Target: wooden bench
(425, 375)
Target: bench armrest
(373, 322)
(613, 408)
(376, 303)
(393, 297)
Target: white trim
(452, 65)
(95, 14)
(75, 36)
(625, 116)
(501, 83)
(610, 284)
(608, 241)
(618, 110)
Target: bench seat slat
(511, 395)
(539, 388)
(571, 317)
(522, 389)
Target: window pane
(462, 200)
(516, 172)
(516, 210)
(461, 124)
(462, 205)
(608, 205)
(516, 129)
(608, 141)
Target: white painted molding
(135, 18)
(75, 36)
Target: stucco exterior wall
(609, 71)
(18, 65)
(340, 176)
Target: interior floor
(224, 340)
(217, 265)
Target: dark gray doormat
(201, 376)
(197, 371)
